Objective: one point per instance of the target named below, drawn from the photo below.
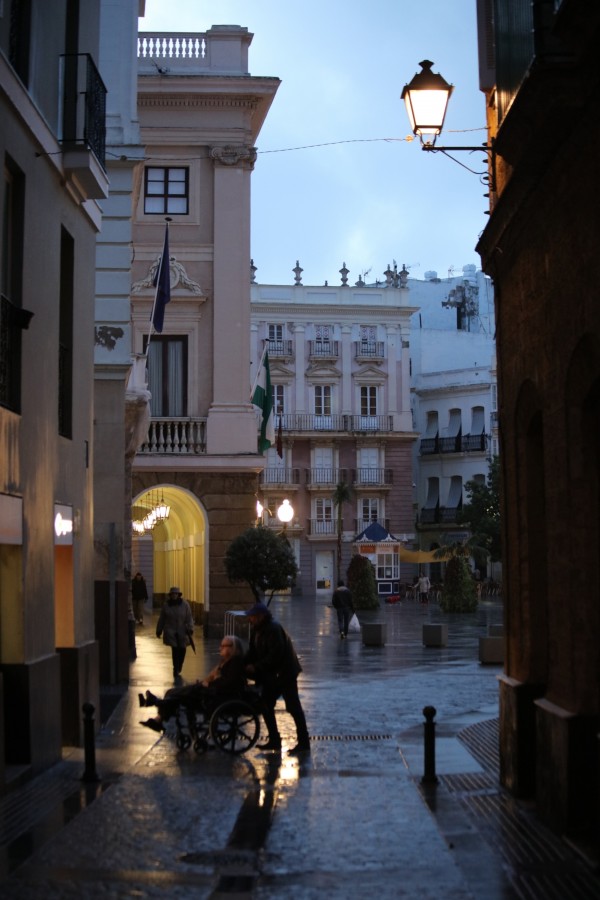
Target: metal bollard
(429, 776)
(89, 745)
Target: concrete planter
(491, 650)
(435, 635)
(374, 634)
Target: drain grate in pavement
(469, 783)
(351, 737)
(482, 740)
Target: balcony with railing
(371, 350)
(439, 515)
(472, 443)
(280, 349)
(323, 349)
(361, 524)
(324, 477)
(280, 476)
(176, 437)
(306, 422)
(84, 123)
(465, 443)
(362, 424)
(322, 528)
(367, 477)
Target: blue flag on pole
(162, 283)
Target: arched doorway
(174, 548)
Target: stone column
(231, 425)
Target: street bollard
(89, 745)
(429, 776)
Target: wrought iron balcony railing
(279, 349)
(369, 350)
(275, 475)
(473, 442)
(466, 443)
(294, 422)
(439, 515)
(366, 476)
(323, 349)
(325, 477)
(84, 104)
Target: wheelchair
(231, 724)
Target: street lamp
(426, 98)
(285, 514)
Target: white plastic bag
(354, 625)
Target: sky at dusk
(335, 179)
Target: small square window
(166, 191)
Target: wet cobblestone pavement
(350, 819)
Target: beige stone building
(52, 120)
(200, 113)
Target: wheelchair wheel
(234, 727)
(183, 741)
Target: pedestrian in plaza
(424, 586)
(227, 679)
(342, 603)
(272, 662)
(139, 595)
(176, 626)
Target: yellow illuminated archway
(179, 543)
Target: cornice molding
(192, 101)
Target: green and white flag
(262, 399)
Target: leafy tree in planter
(458, 591)
(482, 513)
(362, 583)
(264, 560)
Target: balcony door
(167, 376)
(323, 471)
(368, 462)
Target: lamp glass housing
(285, 512)
(426, 98)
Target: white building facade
(453, 398)
(387, 388)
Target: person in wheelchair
(227, 679)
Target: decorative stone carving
(178, 275)
(234, 155)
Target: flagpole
(260, 365)
(160, 265)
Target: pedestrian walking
(272, 662)
(176, 626)
(424, 586)
(139, 595)
(342, 603)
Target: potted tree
(264, 560)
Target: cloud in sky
(358, 200)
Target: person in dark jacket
(272, 662)
(176, 626)
(227, 679)
(139, 595)
(342, 603)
